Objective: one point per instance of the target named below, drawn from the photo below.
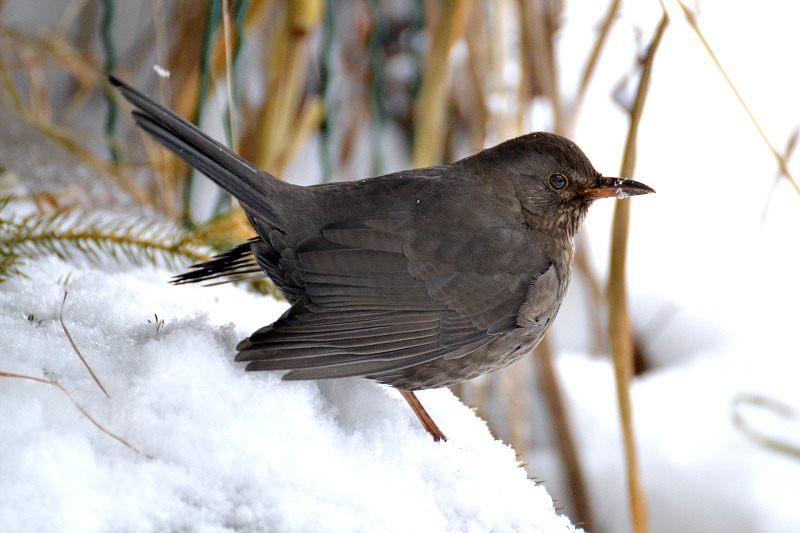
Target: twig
(539, 23)
(81, 409)
(429, 107)
(620, 337)
(286, 66)
(594, 56)
(690, 18)
(595, 298)
(791, 143)
(77, 351)
(570, 459)
(110, 66)
(779, 409)
(226, 32)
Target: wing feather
(375, 303)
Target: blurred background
(316, 91)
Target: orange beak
(619, 187)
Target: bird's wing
(377, 300)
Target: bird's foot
(426, 420)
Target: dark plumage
(419, 279)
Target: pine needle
(69, 233)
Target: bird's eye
(557, 181)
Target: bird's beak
(619, 187)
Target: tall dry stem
(430, 106)
(619, 329)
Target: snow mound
(221, 449)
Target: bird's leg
(427, 422)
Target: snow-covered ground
(220, 449)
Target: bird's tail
(258, 191)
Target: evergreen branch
(67, 233)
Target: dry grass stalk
(429, 108)
(83, 411)
(619, 329)
(77, 350)
(170, 173)
(570, 460)
(36, 109)
(784, 169)
(788, 150)
(539, 21)
(226, 32)
(595, 299)
(786, 412)
(512, 386)
(594, 56)
(484, 66)
(286, 67)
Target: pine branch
(68, 233)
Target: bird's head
(553, 180)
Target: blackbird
(419, 279)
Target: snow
(221, 449)
(701, 473)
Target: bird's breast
(542, 301)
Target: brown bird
(419, 279)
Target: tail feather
(236, 264)
(252, 187)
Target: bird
(417, 279)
